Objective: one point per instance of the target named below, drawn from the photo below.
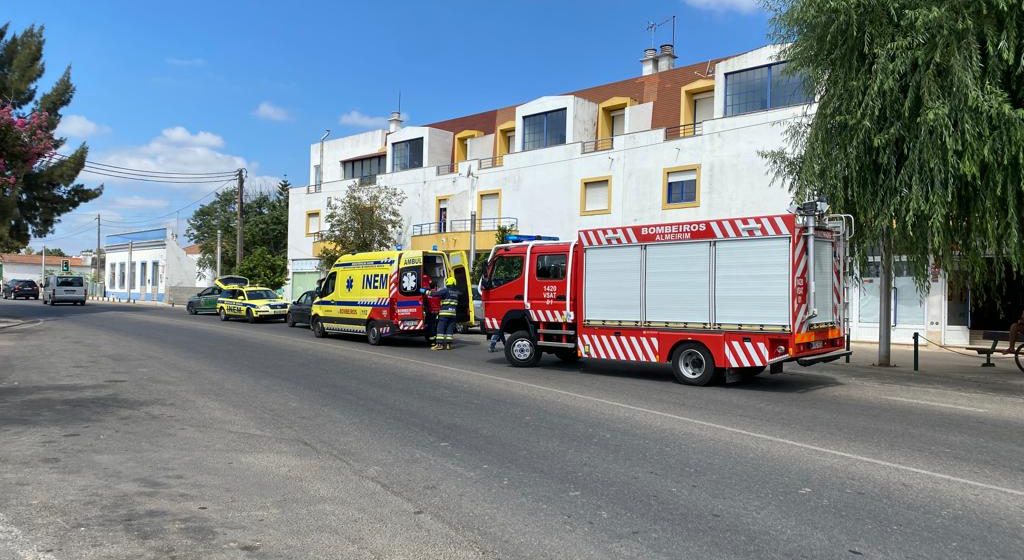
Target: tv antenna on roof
(652, 27)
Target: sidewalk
(937, 367)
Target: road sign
(65, 265)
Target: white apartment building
(673, 144)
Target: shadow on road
(62, 405)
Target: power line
(196, 181)
(134, 171)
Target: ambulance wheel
(692, 364)
(521, 350)
(568, 356)
(462, 328)
(289, 320)
(373, 334)
(318, 328)
(223, 314)
(249, 316)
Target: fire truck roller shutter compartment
(679, 283)
(752, 281)
(823, 276)
(612, 284)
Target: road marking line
(930, 403)
(694, 421)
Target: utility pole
(96, 256)
(131, 270)
(42, 267)
(238, 221)
(885, 303)
(218, 253)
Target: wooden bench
(996, 337)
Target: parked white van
(60, 289)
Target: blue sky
(212, 85)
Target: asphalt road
(141, 432)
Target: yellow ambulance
(377, 294)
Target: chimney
(649, 62)
(395, 122)
(667, 58)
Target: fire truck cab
(728, 296)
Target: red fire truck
(733, 296)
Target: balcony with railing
(599, 145)
(492, 162)
(447, 169)
(453, 235)
(684, 131)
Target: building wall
(541, 188)
(21, 271)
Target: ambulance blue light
(519, 238)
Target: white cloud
(174, 150)
(77, 126)
(359, 120)
(180, 135)
(269, 111)
(173, 61)
(745, 6)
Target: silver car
(63, 289)
(478, 314)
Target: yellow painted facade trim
(480, 202)
(462, 144)
(686, 94)
(664, 187)
(501, 144)
(583, 196)
(437, 205)
(604, 114)
(309, 214)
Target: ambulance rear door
(458, 264)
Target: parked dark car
(300, 309)
(14, 289)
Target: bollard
(847, 348)
(917, 338)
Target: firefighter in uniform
(447, 319)
(431, 306)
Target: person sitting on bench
(1016, 329)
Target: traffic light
(65, 265)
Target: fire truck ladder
(843, 226)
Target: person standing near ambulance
(447, 316)
(431, 307)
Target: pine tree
(34, 192)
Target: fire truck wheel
(692, 364)
(373, 335)
(567, 356)
(521, 350)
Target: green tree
(202, 230)
(263, 268)
(480, 265)
(368, 218)
(55, 252)
(918, 131)
(266, 225)
(34, 191)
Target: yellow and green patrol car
(253, 303)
